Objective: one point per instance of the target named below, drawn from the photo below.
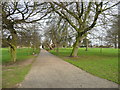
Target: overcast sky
(101, 32)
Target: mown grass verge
(13, 73)
(104, 65)
(22, 54)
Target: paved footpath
(49, 71)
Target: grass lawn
(104, 65)
(12, 75)
(22, 54)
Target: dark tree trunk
(119, 27)
(86, 44)
(115, 43)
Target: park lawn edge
(8, 72)
(82, 68)
(66, 60)
(90, 72)
(22, 54)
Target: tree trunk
(115, 43)
(75, 47)
(57, 49)
(86, 48)
(13, 53)
(86, 44)
(13, 45)
(118, 28)
(79, 38)
(33, 52)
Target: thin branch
(111, 6)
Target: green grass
(13, 75)
(22, 54)
(104, 65)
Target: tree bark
(86, 44)
(79, 38)
(115, 43)
(57, 49)
(119, 27)
(13, 45)
(13, 53)
(75, 47)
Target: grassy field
(104, 65)
(12, 75)
(22, 54)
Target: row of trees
(14, 15)
(58, 34)
(71, 20)
(26, 38)
(81, 16)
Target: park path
(49, 71)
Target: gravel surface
(49, 71)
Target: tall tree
(82, 16)
(57, 33)
(20, 12)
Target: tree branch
(111, 6)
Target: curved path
(49, 71)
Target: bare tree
(57, 33)
(20, 12)
(112, 33)
(82, 16)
